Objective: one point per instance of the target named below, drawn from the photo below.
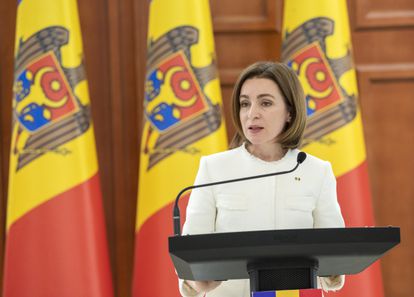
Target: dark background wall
(115, 46)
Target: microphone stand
(176, 211)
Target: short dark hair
(292, 91)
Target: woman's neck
(267, 152)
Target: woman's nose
(253, 112)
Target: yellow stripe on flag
(344, 147)
(287, 293)
(160, 186)
(166, 15)
(297, 12)
(180, 58)
(51, 175)
(319, 48)
(53, 13)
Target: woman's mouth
(254, 129)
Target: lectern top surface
(226, 255)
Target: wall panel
(383, 46)
(7, 28)
(387, 104)
(384, 14)
(246, 16)
(382, 36)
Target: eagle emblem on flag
(329, 107)
(46, 110)
(176, 107)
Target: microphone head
(301, 157)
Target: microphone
(176, 211)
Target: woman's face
(263, 111)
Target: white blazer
(305, 198)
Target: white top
(305, 198)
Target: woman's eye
(266, 103)
(244, 104)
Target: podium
(280, 259)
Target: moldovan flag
(182, 122)
(56, 239)
(317, 46)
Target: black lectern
(280, 259)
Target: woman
(269, 113)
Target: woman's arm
(201, 209)
(327, 214)
(200, 219)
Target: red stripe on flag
(354, 196)
(59, 248)
(154, 273)
(355, 199)
(367, 284)
(310, 293)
